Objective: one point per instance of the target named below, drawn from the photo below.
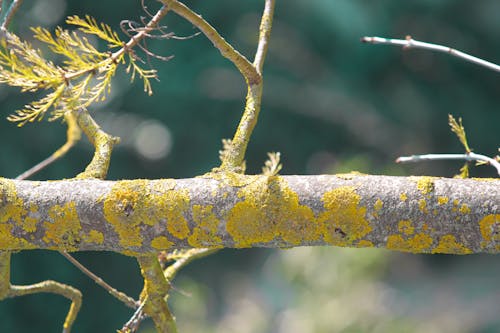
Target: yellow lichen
(349, 176)
(405, 227)
(269, 210)
(161, 243)
(206, 226)
(448, 244)
(443, 200)
(417, 244)
(425, 185)
(31, 220)
(422, 205)
(63, 226)
(11, 206)
(364, 243)
(490, 230)
(94, 236)
(131, 204)
(464, 209)
(343, 221)
(403, 197)
(377, 207)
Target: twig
(133, 41)
(129, 301)
(73, 135)
(467, 157)
(226, 49)
(7, 290)
(133, 324)
(265, 34)
(411, 43)
(11, 11)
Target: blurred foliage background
(331, 104)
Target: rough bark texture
(415, 214)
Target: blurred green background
(331, 104)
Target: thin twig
(133, 41)
(265, 34)
(435, 157)
(73, 135)
(411, 43)
(133, 324)
(227, 50)
(11, 11)
(129, 301)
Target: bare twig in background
(466, 157)
(411, 43)
(127, 300)
(11, 11)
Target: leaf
(459, 130)
(90, 26)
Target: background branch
(411, 43)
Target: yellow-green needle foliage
(81, 78)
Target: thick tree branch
(416, 214)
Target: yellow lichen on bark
(206, 225)
(443, 200)
(11, 209)
(377, 207)
(161, 243)
(405, 227)
(94, 236)
(343, 222)
(490, 230)
(448, 244)
(63, 226)
(131, 204)
(269, 210)
(425, 185)
(419, 243)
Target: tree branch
(411, 43)
(227, 50)
(415, 214)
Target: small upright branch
(409, 43)
(103, 143)
(264, 35)
(227, 50)
(235, 157)
(236, 154)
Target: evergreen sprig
(83, 77)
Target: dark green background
(331, 104)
